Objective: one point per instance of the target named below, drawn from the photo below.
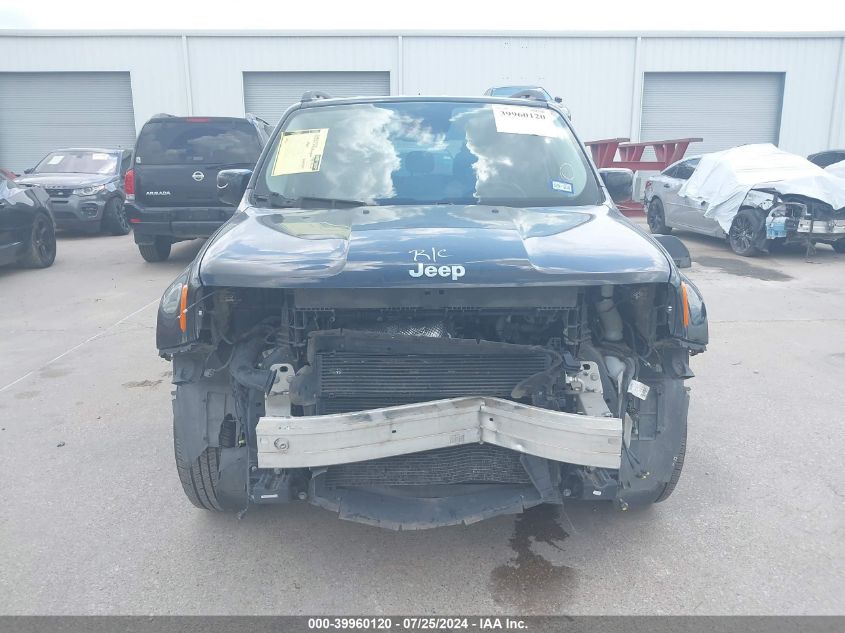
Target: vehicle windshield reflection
(411, 153)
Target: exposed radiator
(457, 465)
(358, 371)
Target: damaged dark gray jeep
(427, 312)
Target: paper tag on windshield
(525, 120)
(55, 160)
(638, 389)
(300, 152)
(97, 156)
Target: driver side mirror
(619, 183)
(29, 170)
(231, 185)
(677, 250)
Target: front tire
(205, 484)
(41, 250)
(747, 233)
(839, 246)
(212, 469)
(656, 218)
(200, 477)
(115, 221)
(158, 251)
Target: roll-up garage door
(725, 109)
(40, 112)
(268, 95)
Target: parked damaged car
(85, 186)
(425, 312)
(755, 196)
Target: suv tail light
(129, 184)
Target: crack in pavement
(90, 339)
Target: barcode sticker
(638, 389)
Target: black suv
(171, 189)
(428, 311)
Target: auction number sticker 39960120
(535, 121)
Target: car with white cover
(756, 196)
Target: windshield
(198, 141)
(427, 153)
(78, 162)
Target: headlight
(89, 191)
(692, 320)
(179, 319)
(174, 296)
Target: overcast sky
(496, 15)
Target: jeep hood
(65, 180)
(430, 246)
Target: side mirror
(29, 170)
(558, 100)
(677, 250)
(231, 185)
(619, 183)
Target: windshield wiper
(278, 201)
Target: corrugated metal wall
(600, 78)
(268, 95)
(724, 109)
(83, 110)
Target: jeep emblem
(455, 271)
(198, 176)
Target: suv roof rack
(249, 116)
(313, 95)
(163, 115)
(531, 93)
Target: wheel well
(755, 210)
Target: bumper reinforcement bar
(324, 440)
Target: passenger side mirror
(231, 185)
(619, 183)
(677, 250)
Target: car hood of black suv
(65, 180)
(430, 245)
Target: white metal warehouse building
(98, 88)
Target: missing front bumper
(822, 228)
(325, 440)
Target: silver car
(666, 210)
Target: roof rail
(313, 95)
(534, 95)
(162, 115)
(249, 116)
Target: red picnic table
(630, 157)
